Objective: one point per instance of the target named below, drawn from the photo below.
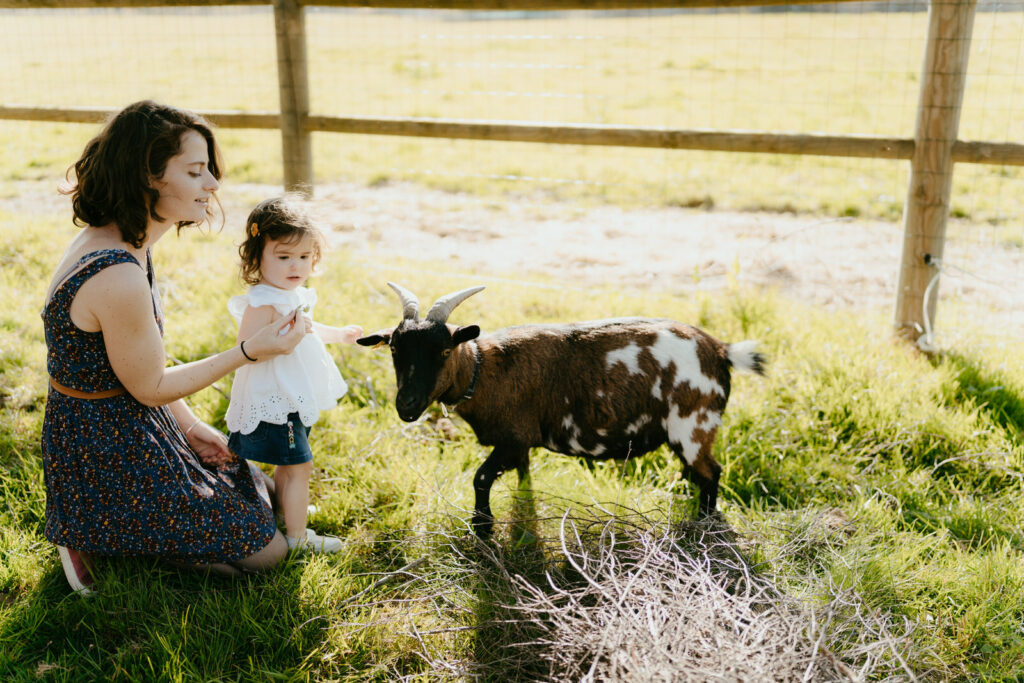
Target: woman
(129, 469)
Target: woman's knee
(268, 556)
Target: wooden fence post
(293, 86)
(944, 75)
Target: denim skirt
(286, 444)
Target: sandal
(77, 570)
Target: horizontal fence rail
(862, 146)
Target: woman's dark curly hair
(279, 219)
(112, 178)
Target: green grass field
(856, 468)
(878, 490)
(852, 73)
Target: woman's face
(187, 183)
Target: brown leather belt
(92, 395)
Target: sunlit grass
(854, 464)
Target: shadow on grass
(991, 393)
(517, 552)
(149, 621)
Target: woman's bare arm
(183, 414)
(119, 301)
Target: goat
(599, 390)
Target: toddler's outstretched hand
(349, 333)
(333, 335)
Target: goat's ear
(378, 338)
(464, 334)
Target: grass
(874, 494)
(849, 73)
(856, 476)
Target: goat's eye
(446, 353)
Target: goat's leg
(501, 459)
(704, 472)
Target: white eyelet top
(304, 381)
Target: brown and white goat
(598, 390)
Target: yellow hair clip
(254, 229)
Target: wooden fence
(932, 150)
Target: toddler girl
(275, 402)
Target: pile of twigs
(619, 596)
(627, 599)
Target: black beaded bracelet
(241, 345)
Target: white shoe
(315, 543)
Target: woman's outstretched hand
(280, 336)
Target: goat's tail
(745, 356)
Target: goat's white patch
(573, 432)
(599, 394)
(628, 355)
(602, 432)
(680, 430)
(598, 449)
(669, 347)
(656, 388)
(635, 426)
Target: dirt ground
(673, 248)
(831, 262)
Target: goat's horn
(410, 304)
(444, 306)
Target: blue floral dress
(120, 476)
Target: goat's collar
(478, 360)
